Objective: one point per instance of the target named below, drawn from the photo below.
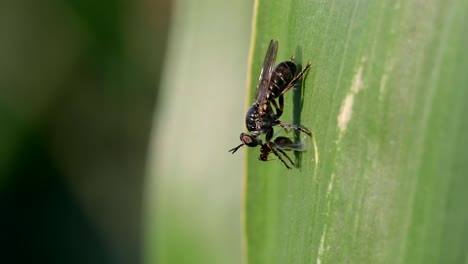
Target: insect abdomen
(281, 76)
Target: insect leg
(281, 103)
(286, 155)
(273, 149)
(269, 135)
(296, 79)
(296, 127)
(279, 109)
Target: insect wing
(285, 143)
(265, 74)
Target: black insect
(278, 146)
(272, 84)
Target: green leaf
(386, 100)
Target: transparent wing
(300, 146)
(265, 74)
(285, 143)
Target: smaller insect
(278, 146)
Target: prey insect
(268, 106)
(278, 146)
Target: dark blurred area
(78, 89)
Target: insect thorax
(256, 124)
(251, 118)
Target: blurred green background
(80, 94)
(116, 117)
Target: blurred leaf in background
(77, 93)
(194, 185)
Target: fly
(273, 83)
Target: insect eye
(249, 140)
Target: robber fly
(278, 146)
(273, 83)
